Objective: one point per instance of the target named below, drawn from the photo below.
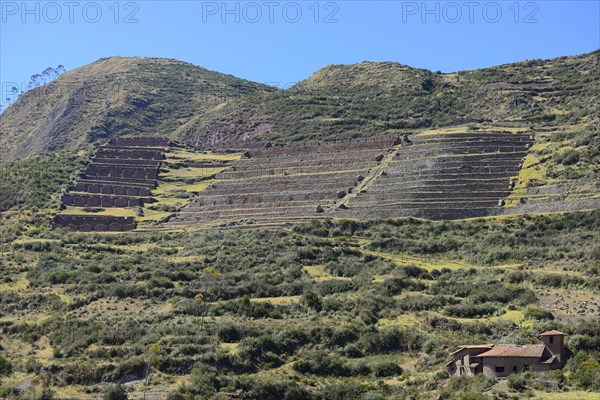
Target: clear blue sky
(282, 42)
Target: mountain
(554, 101)
(113, 97)
(382, 98)
(287, 272)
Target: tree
(199, 307)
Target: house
(500, 360)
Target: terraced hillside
(433, 176)
(447, 176)
(122, 174)
(136, 182)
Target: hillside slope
(383, 98)
(113, 97)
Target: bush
(388, 368)
(321, 363)
(584, 343)
(353, 351)
(228, 333)
(472, 310)
(47, 394)
(312, 300)
(5, 367)
(391, 339)
(342, 391)
(569, 157)
(539, 314)
(585, 370)
(517, 382)
(115, 392)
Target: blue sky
(282, 42)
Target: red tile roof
(529, 351)
(550, 360)
(552, 333)
(474, 346)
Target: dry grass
(153, 216)
(165, 187)
(574, 395)
(318, 273)
(20, 284)
(277, 300)
(231, 348)
(403, 320)
(464, 129)
(179, 155)
(423, 262)
(194, 172)
(515, 316)
(116, 212)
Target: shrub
(228, 333)
(388, 368)
(569, 157)
(472, 310)
(115, 392)
(585, 370)
(5, 367)
(321, 363)
(539, 314)
(312, 300)
(517, 382)
(342, 391)
(353, 351)
(391, 339)
(47, 394)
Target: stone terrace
(286, 183)
(99, 223)
(573, 195)
(447, 176)
(121, 174)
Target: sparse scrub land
(321, 320)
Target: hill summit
(113, 97)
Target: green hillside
(113, 97)
(369, 99)
(324, 310)
(251, 292)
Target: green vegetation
(318, 309)
(112, 97)
(208, 301)
(370, 99)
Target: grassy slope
(87, 307)
(369, 277)
(369, 99)
(114, 97)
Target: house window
(551, 339)
(499, 369)
(514, 368)
(526, 367)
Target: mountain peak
(111, 97)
